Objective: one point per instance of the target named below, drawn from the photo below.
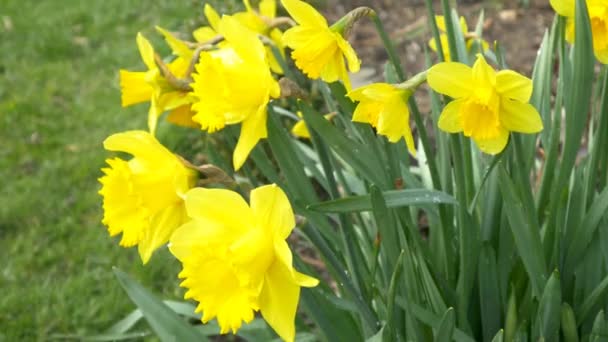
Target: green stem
(388, 45)
(434, 29)
(447, 15)
(597, 148)
(414, 82)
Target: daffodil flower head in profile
(319, 50)
(150, 86)
(384, 106)
(487, 104)
(233, 85)
(469, 37)
(598, 16)
(143, 198)
(235, 260)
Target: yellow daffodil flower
(384, 106)
(143, 197)
(598, 15)
(143, 86)
(469, 37)
(234, 85)
(319, 50)
(487, 104)
(257, 21)
(300, 129)
(235, 259)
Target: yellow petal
(393, 120)
(212, 17)
(163, 224)
(247, 5)
(367, 112)
(513, 85)
(204, 34)
(303, 13)
(463, 25)
(563, 7)
(602, 55)
(409, 141)
(146, 51)
(122, 210)
(283, 255)
(153, 113)
(243, 40)
(450, 121)
(372, 92)
(520, 117)
(300, 130)
(268, 8)
(440, 20)
(432, 44)
(354, 64)
(494, 145)
(134, 88)
(191, 237)
(272, 209)
(140, 144)
(178, 47)
(279, 301)
(221, 206)
(483, 74)
(182, 116)
(252, 130)
(451, 79)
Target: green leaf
(499, 336)
(489, 295)
(577, 108)
(391, 322)
(433, 320)
(181, 308)
(569, 324)
(548, 317)
(103, 337)
(355, 154)
(393, 198)
(387, 227)
(335, 324)
(446, 327)
(298, 184)
(585, 232)
(527, 241)
(167, 325)
(511, 319)
(599, 332)
(593, 300)
(377, 337)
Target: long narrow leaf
(393, 198)
(167, 325)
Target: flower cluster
(235, 257)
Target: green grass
(59, 99)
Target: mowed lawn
(59, 98)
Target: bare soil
(518, 29)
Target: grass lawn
(59, 99)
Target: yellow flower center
(479, 114)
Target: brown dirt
(519, 30)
